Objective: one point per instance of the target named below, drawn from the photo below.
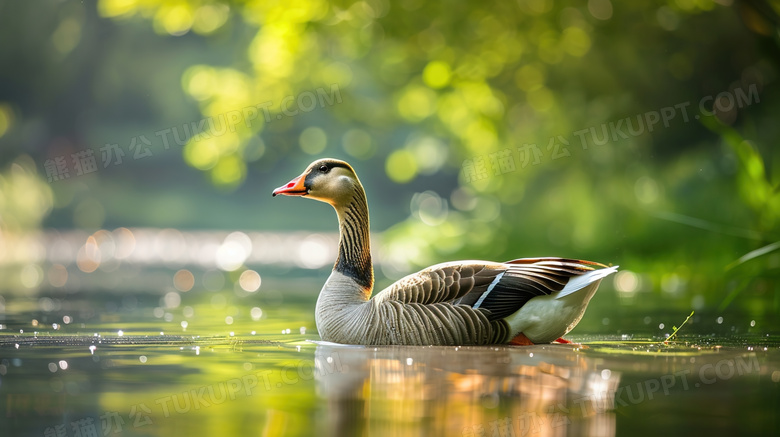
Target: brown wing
(444, 282)
(499, 288)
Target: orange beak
(293, 188)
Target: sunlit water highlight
(229, 364)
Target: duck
(524, 301)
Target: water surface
(219, 364)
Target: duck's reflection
(468, 391)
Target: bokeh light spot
(88, 257)
(58, 275)
(171, 300)
(358, 143)
(437, 74)
(337, 73)
(199, 81)
(600, 9)
(314, 252)
(429, 207)
(250, 281)
(210, 17)
(541, 99)
(233, 251)
(626, 281)
(646, 190)
(6, 117)
(31, 276)
(67, 36)
(576, 41)
(183, 280)
(429, 153)
(229, 172)
(117, 8)
(313, 140)
(175, 20)
(401, 167)
(529, 77)
(256, 313)
(416, 103)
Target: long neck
(354, 259)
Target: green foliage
(24, 199)
(481, 130)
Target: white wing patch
(489, 289)
(579, 282)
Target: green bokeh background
(423, 99)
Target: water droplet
(63, 364)
(92, 349)
(303, 330)
(752, 323)
(52, 367)
(184, 324)
(229, 320)
(606, 374)
(661, 326)
(142, 358)
(719, 320)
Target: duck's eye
(324, 168)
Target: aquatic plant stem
(677, 328)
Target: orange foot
(562, 341)
(521, 340)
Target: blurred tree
(591, 129)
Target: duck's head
(327, 180)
